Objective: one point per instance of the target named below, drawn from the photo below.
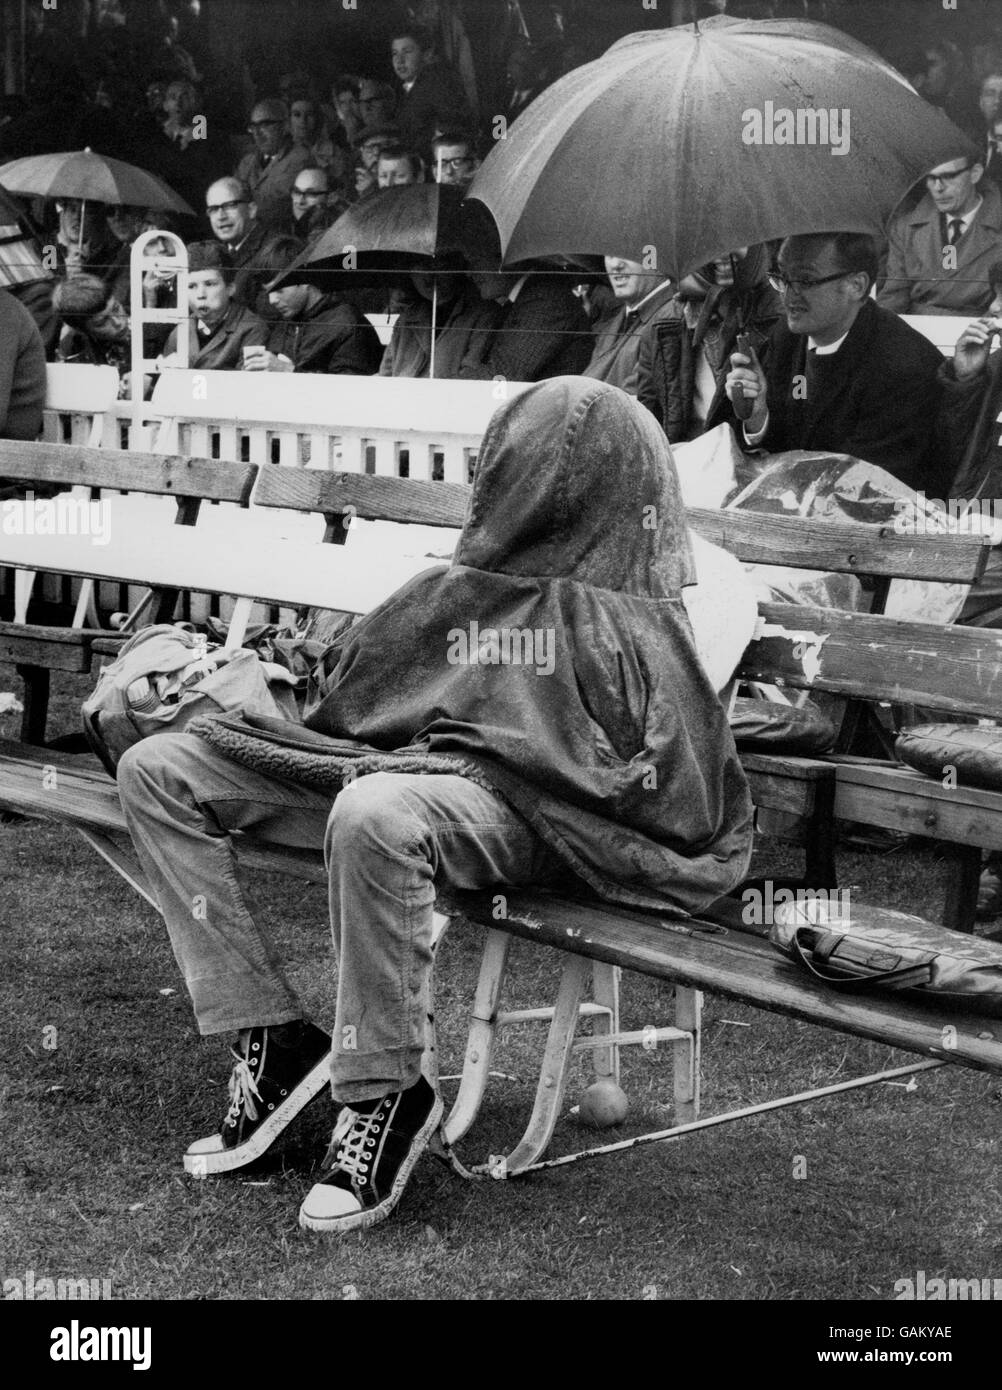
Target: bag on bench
(879, 949)
(166, 676)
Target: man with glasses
(941, 251)
(246, 243)
(453, 159)
(838, 372)
(314, 206)
(377, 102)
(270, 169)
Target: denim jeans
(388, 839)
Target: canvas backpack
(166, 676)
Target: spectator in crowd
(617, 774)
(220, 327)
(96, 327)
(694, 340)
(970, 433)
(463, 324)
(182, 153)
(454, 158)
(86, 245)
(523, 79)
(541, 331)
(316, 332)
(624, 344)
(443, 21)
(397, 167)
(22, 371)
(270, 169)
(314, 207)
(840, 372)
(993, 169)
(304, 122)
(23, 272)
(431, 97)
(369, 144)
(345, 117)
(377, 103)
(939, 253)
(232, 216)
(939, 78)
(990, 106)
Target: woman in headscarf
(534, 713)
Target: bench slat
(58, 648)
(282, 571)
(737, 965)
(954, 669)
(124, 469)
(362, 495)
(757, 538)
(900, 798)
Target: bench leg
(605, 991)
(482, 1035)
(553, 1076)
(36, 703)
(688, 1018)
(819, 844)
(963, 876)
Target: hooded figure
(552, 661)
(535, 713)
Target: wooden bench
(868, 663)
(800, 646)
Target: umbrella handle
(434, 317)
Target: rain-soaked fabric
(553, 660)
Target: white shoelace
(243, 1090)
(350, 1140)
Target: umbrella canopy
(93, 178)
(679, 145)
(408, 228)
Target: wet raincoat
(552, 661)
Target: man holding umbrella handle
(840, 374)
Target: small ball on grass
(603, 1105)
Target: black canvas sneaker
(372, 1153)
(278, 1071)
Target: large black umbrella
(678, 145)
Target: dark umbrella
(419, 227)
(673, 147)
(93, 178)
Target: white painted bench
(389, 426)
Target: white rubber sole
(357, 1221)
(204, 1165)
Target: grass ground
(836, 1200)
